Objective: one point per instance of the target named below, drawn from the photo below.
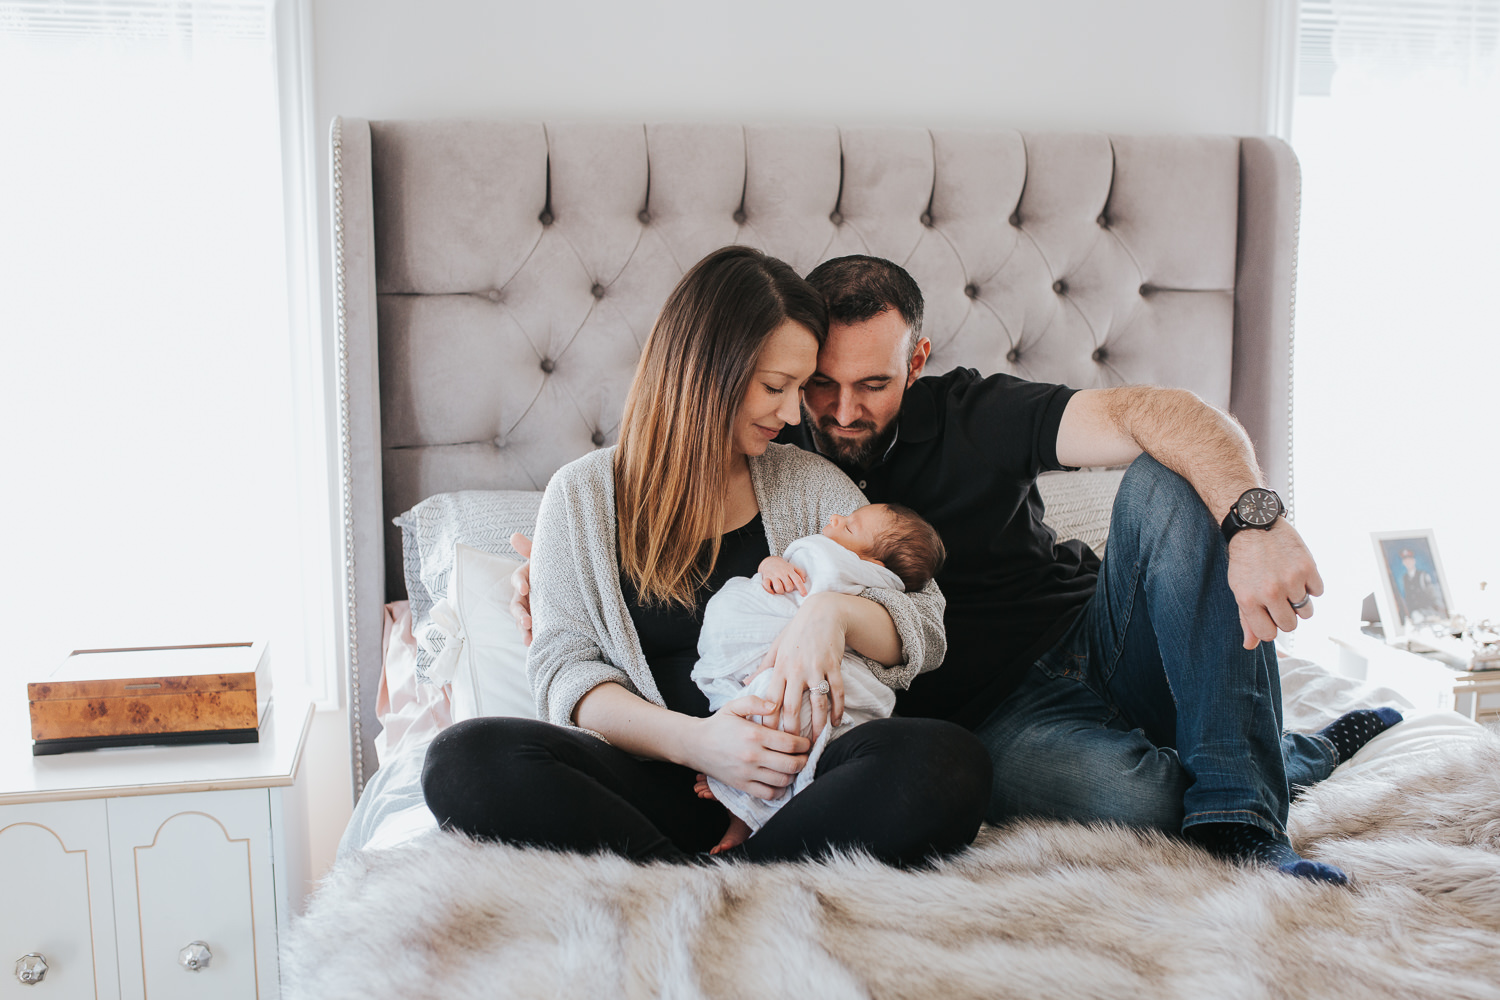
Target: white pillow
(482, 653)
(1079, 504)
(483, 519)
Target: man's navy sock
(1353, 730)
(1243, 842)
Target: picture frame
(1414, 589)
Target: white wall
(1138, 66)
(1145, 65)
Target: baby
(883, 546)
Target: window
(163, 480)
(1397, 367)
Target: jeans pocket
(1063, 663)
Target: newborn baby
(883, 546)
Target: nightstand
(1478, 696)
(167, 872)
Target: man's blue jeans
(1149, 711)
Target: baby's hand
(780, 577)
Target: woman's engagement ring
(821, 687)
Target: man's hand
(780, 577)
(1269, 571)
(808, 651)
(520, 582)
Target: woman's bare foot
(736, 835)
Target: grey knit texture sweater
(583, 634)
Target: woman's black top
(669, 634)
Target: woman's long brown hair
(671, 475)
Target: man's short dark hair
(911, 548)
(859, 287)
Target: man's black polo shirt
(966, 457)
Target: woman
(631, 542)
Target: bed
(495, 282)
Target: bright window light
(1397, 377)
(150, 492)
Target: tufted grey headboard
(495, 282)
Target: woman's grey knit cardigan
(583, 634)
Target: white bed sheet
(392, 812)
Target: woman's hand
(808, 652)
(745, 754)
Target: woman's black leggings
(903, 789)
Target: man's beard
(857, 454)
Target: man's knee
(1159, 506)
(1149, 486)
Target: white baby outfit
(742, 620)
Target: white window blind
(1397, 359)
(152, 491)
(138, 19)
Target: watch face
(1258, 508)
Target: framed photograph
(1414, 590)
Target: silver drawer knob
(31, 969)
(195, 957)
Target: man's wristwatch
(1256, 508)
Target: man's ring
(821, 687)
(1299, 605)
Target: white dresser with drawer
(160, 872)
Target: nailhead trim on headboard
(346, 453)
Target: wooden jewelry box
(96, 698)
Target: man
(1144, 691)
(1421, 597)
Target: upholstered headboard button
(1100, 354)
(1060, 287)
(644, 217)
(927, 219)
(972, 291)
(598, 439)
(597, 291)
(548, 365)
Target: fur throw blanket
(1032, 910)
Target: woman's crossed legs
(905, 790)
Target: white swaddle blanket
(742, 620)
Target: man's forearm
(1200, 443)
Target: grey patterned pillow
(1079, 503)
(481, 519)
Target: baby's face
(859, 531)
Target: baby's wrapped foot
(737, 834)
